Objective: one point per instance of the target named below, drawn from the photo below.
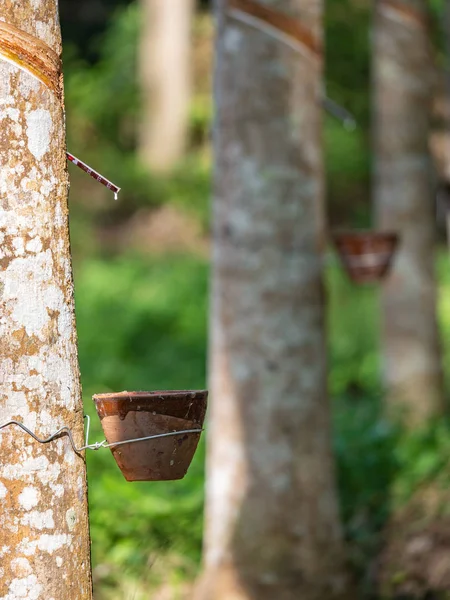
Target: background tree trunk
(404, 202)
(165, 75)
(44, 538)
(272, 524)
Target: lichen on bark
(41, 556)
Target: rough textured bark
(44, 538)
(272, 523)
(165, 76)
(404, 202)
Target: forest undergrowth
(142, 324)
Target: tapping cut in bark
(280, 24)
(31, 54)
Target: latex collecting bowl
(366, 255)
(127, 416)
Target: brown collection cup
(366, 255)
(133, 415)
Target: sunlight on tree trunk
(44, 537)
(404, 202)
(272, 522)
(165, 76)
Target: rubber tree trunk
(165, 76)
(272, 522)
(404, 202)
(44, 537)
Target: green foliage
(189, 187)
(102, 103)
(142, 321)
(364, 447)
(142, 325)
(150, 320)
(103, 109)
(347, 24)
(347, 73)
(443, 275)
(422, 457)
(102, 99)
(353, 335)
(347, 175)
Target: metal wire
(95, 445)
(340, 113)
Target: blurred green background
(141, 277)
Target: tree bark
(403, 196)
(272, 522)
(165, 76)
(44, 537)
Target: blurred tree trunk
(272, 520)
(404, 202)
(165, 75)
(44, 536)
